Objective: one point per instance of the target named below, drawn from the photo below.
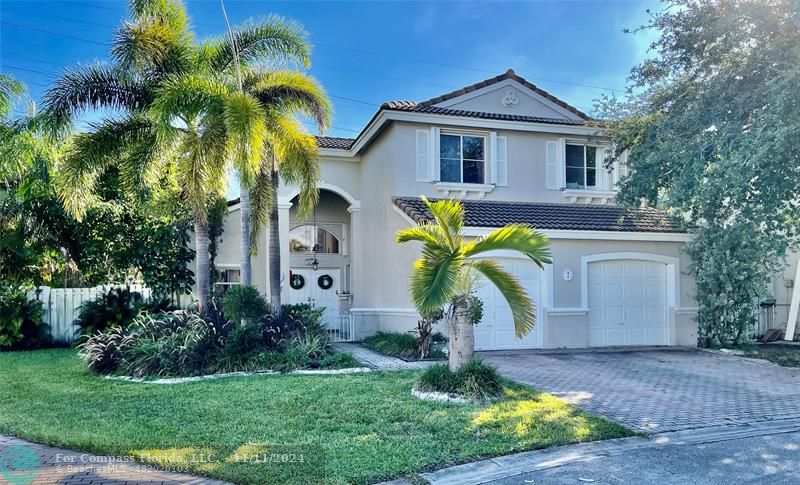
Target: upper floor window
(462, 158)
(581, 166)
(313, 239)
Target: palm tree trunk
(245, 268)
(274, 248)
(203, 269)
(462, 335)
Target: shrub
(393, 343)
(241, 344)
(21, 325)
(292, 321)
(175, 343)
(424, 332)
(243, 303)
(339, 360)
(115, 308)
(474, 380)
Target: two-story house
(514, 154)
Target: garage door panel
(627, 303)
(496, 330)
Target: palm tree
(151, 53)
(442, 275)
(290, 154)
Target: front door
(319, 289)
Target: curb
(209, 377)
(530, 461)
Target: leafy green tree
(445, 273)
(711, 131)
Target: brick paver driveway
(660, 390)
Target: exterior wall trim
(385, 311)
(568, 312)
(594, 235)
(331, 188)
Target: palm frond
(10, 89)
(95, 86)
(246, 125)
(272, 40)
(521, 305)
(291, 93)
(91, 152)
(156, 48)
(425, 233)
(433, 278)
(513, 237)
(187, 98)
(260, 204)
(201, 164)
(299, 159)
(449, 214)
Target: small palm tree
(442, 275)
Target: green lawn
(366, 427)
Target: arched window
(305, 239)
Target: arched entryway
(320, 261)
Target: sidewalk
(37, 464)
(376, 361)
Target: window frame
(339, 243)
(461, 134)
(585, 167)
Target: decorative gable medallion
(510, 100)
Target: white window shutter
(553, 156)
(502, 161)
(603, 177)
(491, 169)
(435, 173)
(423, 156)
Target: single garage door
(627, 303)
(496, 330)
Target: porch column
(356, 252)
(284, 204)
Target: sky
(368, 52)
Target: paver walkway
(377, 361)
(658, 391)
(49, 465)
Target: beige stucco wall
(526, 165)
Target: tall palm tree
(290, 154)
(150, 51)
(439, 275)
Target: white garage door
(627, 303)
(496, 330)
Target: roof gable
(508, 94)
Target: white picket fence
(62, 305)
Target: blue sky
(369, 52)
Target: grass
(781, 354)
(397, 344)
(364, 427)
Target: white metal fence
(342, 328)
(62, 305)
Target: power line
(36, 29)
(374, 53)
(34, 71)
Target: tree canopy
(711, 131)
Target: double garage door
(627, 303)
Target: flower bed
(185, 343)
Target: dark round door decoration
(297, 281)
(325, 282)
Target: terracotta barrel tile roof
(334, 142)
(577, 217)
